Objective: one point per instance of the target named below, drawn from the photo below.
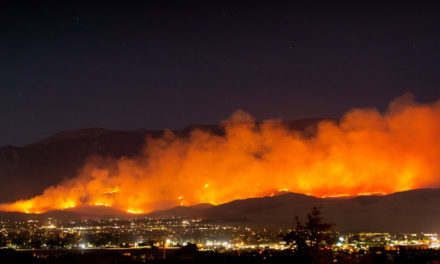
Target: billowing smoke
(364, 152)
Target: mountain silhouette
(409, 211)
(27, 171)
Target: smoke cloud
(364, 152)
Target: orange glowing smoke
(365, 152)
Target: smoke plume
(363, 152)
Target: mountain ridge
(27, 171)
(408, 211)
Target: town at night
(219, 132)
(143, 240)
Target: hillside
(409, 211)
(27, 171)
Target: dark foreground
(113, 256)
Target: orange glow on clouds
(365, 152)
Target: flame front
(365, 152)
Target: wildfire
(337, 195)
(132, 211)
(112, 190)
(99, 204)
(365, 152)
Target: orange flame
(365, 152)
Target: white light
(435, 245)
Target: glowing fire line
(365, 153)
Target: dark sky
(70, 65)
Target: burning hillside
(365, 152)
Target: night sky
(71, 65)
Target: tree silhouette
(297, 237)
(311, 240)
(314, 233)
(319, 232)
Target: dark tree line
(312, 240)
